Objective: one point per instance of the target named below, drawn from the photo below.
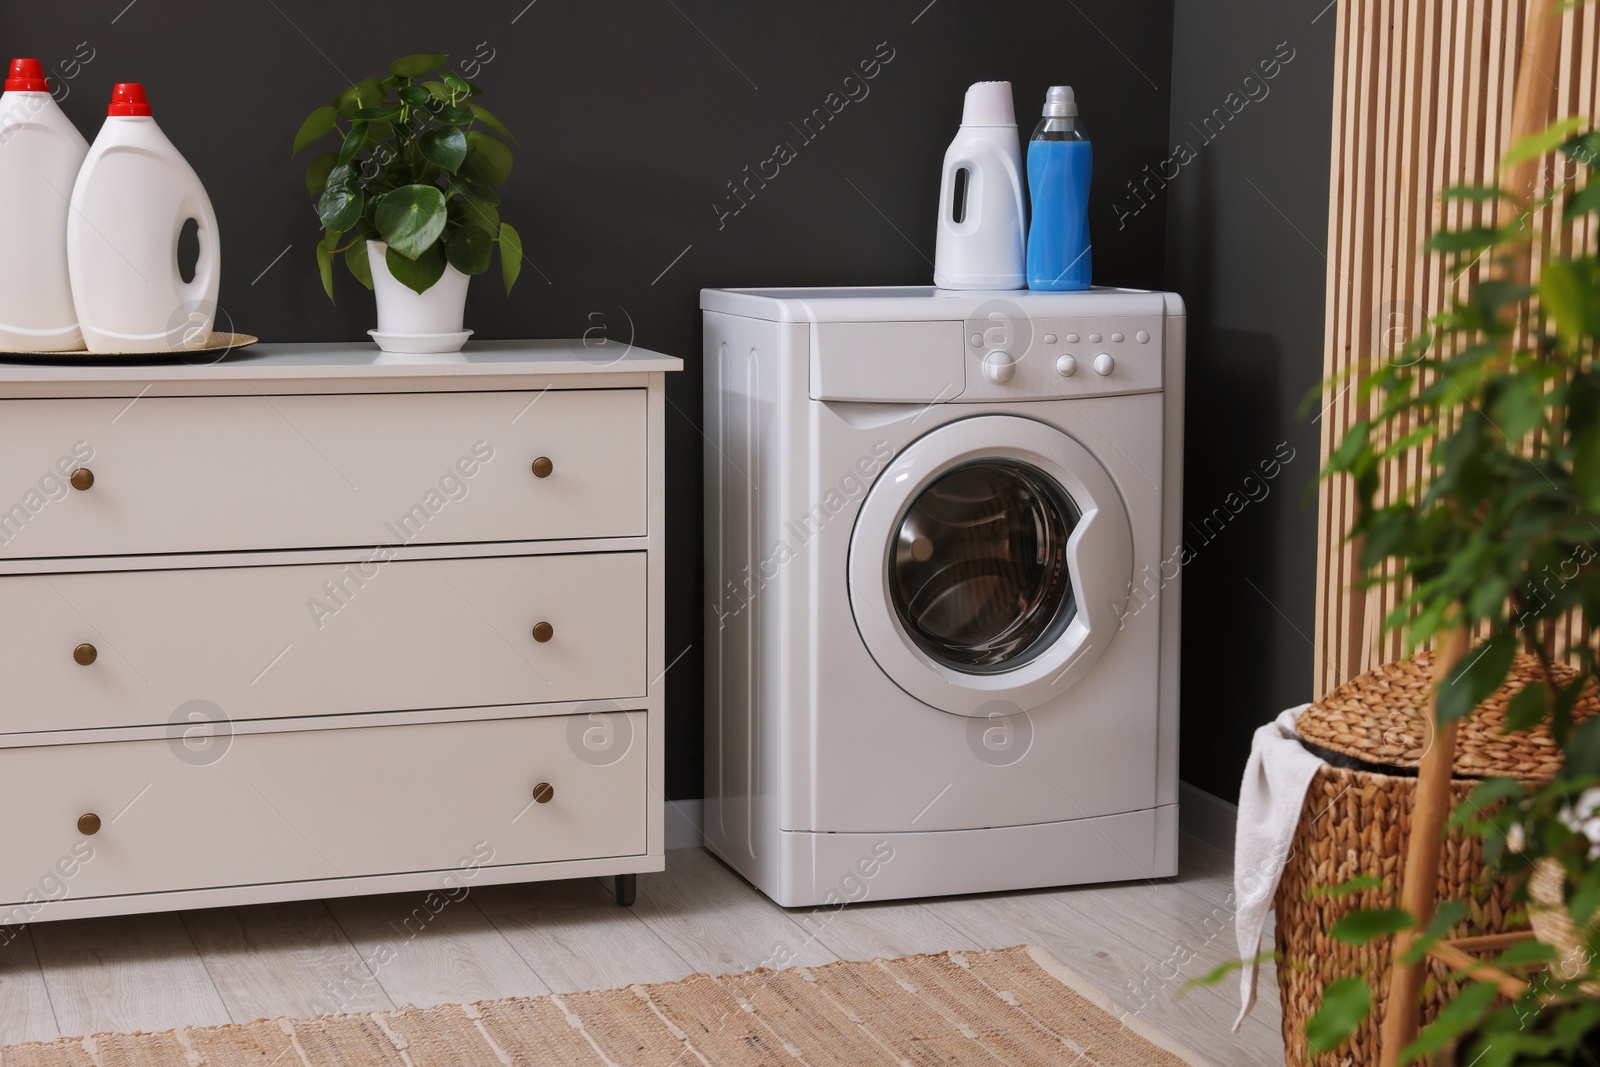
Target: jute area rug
(1010, 1006)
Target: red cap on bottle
(128, 99)
(27, 76)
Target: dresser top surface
(361, 360)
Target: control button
(1072, 338)
(977, 340)
(1143, 337)
(1095, 338)
(998, 367)
(1066, 366)
(1104, 364)
(1116, 337)
(1049, 338)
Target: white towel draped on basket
(1275, 782)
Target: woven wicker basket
(1357, 822)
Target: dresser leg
(627, 889)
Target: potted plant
(1503, 542)
(409, 198)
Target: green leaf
(1570, 301)
(1584, 202)
(359, 263)
(1459, 1015)
(1546, 140)
(444, 148)
(325, 268)
(410, 219)
(488, 159)
(1345, 1003)
(416, 66)
(511, 265)
(474, 191)
(1446, 916)
(353, 142)
(440, 90)
(419, 97)
(381, 113)
(1526, 708)
(1582, 749)
(1359, 883)
(319, 124)
(469, 249)
(364, 93)
(456, 82)
(1480, 673)
(468, 213)
(483, 115)
(342, 199)
(1471, 239)
(1222, 970)
(418, 274)
(451, 115)
(1369, 924)
(317, 172)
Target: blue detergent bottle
(1060, 162)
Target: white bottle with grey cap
(981, 242)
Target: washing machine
(943, 538)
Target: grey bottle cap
(1060, 103)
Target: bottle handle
(959, 192)
(207, 267)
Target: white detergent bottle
(132, 199)
(981, 234)
(41, 152)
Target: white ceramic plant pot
(411, 322)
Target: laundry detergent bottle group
(131, 201)
(1060, 163)
(41, 153)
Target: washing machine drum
(990, 565)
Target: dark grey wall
(633, 117)
(1246, 229)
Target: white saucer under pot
(420, 343)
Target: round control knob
(84, 655)
(82, 478)
(544, 792)
(1104, 364)
(998, 367)
(1066, 366)
(88, 824)
(542, 467)
(543, 631)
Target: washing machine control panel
(1011, 357)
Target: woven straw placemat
(1016, 1006)
(1379, 717)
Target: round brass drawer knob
(544, 792)
(542, 467)
(84, 654)
(543, 631)
(89, 824)
(82, 478)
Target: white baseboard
(1208, 817)
(685, 823)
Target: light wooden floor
(1140, 942)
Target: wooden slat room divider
(1422, 102)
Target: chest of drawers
(311, 623)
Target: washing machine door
(990, 565)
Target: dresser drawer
(318, 804)
(261, 642)
(206, 474)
